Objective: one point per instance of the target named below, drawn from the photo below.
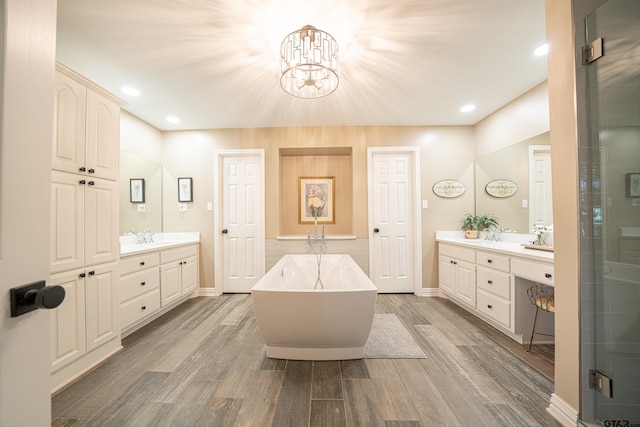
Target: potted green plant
(487, 221)
(470, 226)
(473, 224)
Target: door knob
(225, 231)
(35, 295)
(376, 230)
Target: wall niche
(316, 162)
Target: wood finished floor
(204, 364)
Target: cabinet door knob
(82, 182)
(144, 307)
(91, 171)
(92, 273)
(91, 183)
(547, 275)
(82, 275)
(142, 263)
(490, 282)
(489, 306)
(82, 169)
(143, 283)
(489, 261)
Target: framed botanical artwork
(633, 185)
(136, 190)
(185, 189)
(316, 199)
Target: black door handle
(225, 231)
(376, 230)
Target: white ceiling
(215, 63)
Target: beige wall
(562, 108)
(445, 153)
(522, 118)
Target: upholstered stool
(542, 298)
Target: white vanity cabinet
(458, 273)
(494, 287)
(88, 316)
(490, 279)
(139, 288)
(178, 272)
(85, 250)
(154, 278)
(86, 127)
(84, 221)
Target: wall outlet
(635, 202)
(182, 207)
(209, 206)
(142, 208)
(525, 203)
(425, 204)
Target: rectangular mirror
(145, 216)
(526, 205)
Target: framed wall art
(633, 184)
(316, 199)
(501, 188)
(185, 189)
(136, 190)
(449, 188)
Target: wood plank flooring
(204, 364)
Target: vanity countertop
(511, 245)
(128, 245)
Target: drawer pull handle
(489, 306)
(142, 263)
(489, 261)
(143, 283)
(547, 275)
(490, 282)
(144, 307)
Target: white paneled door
(540, 201)
(242, 223)
(391, 204)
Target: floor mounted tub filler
(298, 322)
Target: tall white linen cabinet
(85, 247)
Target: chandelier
(309, 63)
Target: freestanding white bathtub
(298, 322)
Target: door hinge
(601, 383)
(593, 52)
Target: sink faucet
(148, 236)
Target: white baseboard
(430, 292)
(564, 413)
(207, 292)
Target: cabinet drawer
(495, 308)
(138, 283)
(178, 253)
(457, 252)
(495, 282)
(140, 307)
(138, 262)
(538, 272)
(491, 260)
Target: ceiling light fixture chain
(309, 63)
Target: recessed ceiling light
(542, 50)
(467, 108)
(172, 119)
(130, 91)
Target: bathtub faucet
(318, 246)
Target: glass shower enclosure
(609, 138)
